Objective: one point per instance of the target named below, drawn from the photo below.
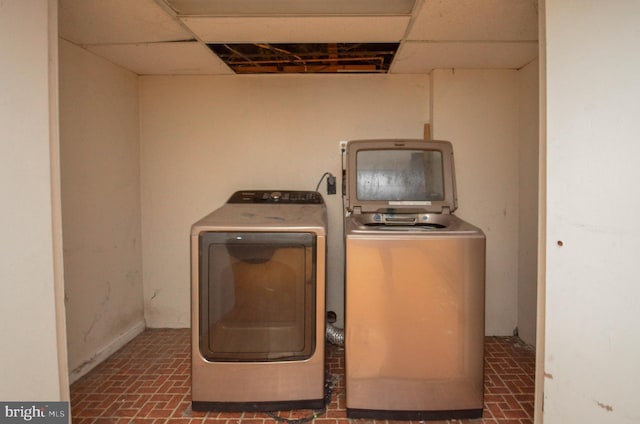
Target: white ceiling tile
(299, 29)
(117, 21)
(487, 20)
(172, 58)
(423, 57)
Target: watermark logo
(34, 412)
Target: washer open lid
(400, 176)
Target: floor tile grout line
(179, 376)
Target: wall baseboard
(106, 351)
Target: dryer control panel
(276, 196)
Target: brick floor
(148, 381)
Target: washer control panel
(276, 196)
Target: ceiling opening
(264, 58)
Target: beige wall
(478, 112)
(101, 206)
(205, 137)
(31, 319)
(592, 329)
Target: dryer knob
(276, 195)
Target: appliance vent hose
(335, 335)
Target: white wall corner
(106, 351)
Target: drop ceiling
(187, 37)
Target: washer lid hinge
(446, 210)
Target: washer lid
(400, 176)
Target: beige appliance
(258, 303)
(415, 275)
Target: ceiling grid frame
(151, 37)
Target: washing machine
(258, 303)
(414, 288)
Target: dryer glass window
(257, 296)
(397, 175)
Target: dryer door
(257, 296)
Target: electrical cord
(326, 174)
(329, 384)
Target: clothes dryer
(258, 303)
(414, 290)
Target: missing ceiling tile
(264, 58)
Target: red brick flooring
(148, 381)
